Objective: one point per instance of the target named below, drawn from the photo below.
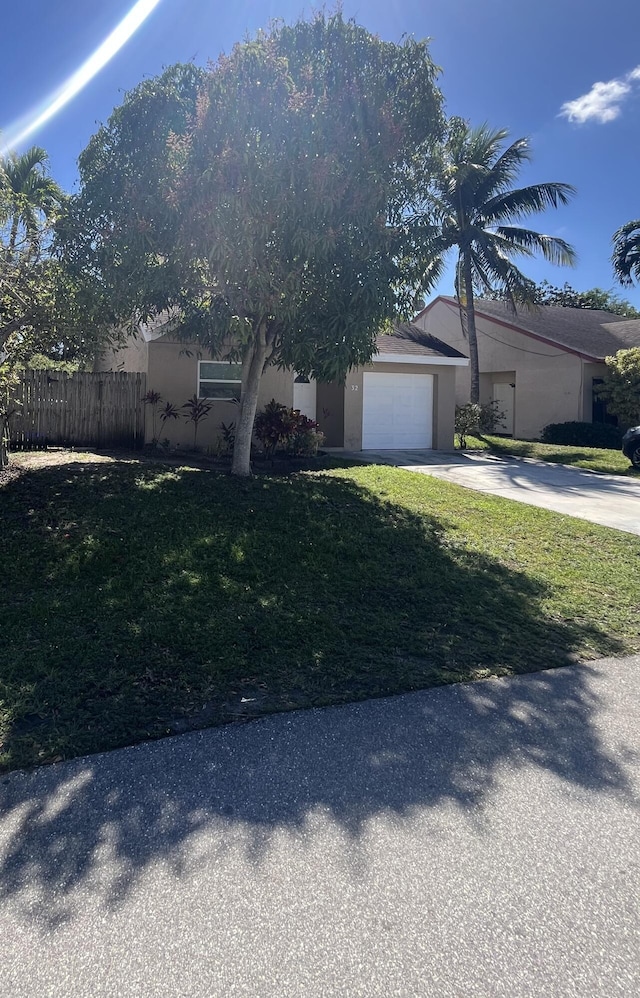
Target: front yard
(610, 462)
(140, 599)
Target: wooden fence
(87, 410)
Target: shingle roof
(409, 339)
(588, 331)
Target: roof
(409, 340)
(589, 332)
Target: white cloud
(603, 102)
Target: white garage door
(397, 411)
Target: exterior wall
(175, 375)
(330, 412)
(443, 401)
(551, 384)
(134, 356)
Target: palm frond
(18, 168)
(553, 249)
(501, 176)
(498, 272)
(524, 201)
(626, 253)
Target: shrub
(153, 399)
(228, 439)
(305, 438)
(474, 417)
(621, 385)
(197, 410)
(280, 428)
(575, 434)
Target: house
(405, 398)
(540, 364)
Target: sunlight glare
(112, 44)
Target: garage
(397, 411)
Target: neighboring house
(405, 398)
(541, 365)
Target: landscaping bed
(141, 599)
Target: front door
(504, 395)
(304, 396)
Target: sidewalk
(472, 840)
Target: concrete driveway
(476, 840)
(611, 500)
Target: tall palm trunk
(470, 314)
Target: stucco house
(405, 398)
(541, 365)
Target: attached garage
(404, 399)
(397, 411)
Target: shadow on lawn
(326, 594)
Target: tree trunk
(471, 330)
(13, 238)
(252, 368)
(4, 434)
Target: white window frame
(219, 381)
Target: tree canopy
(566, 296)
(265, 200)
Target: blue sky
(513, 63)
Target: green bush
(475, 417)
(575, 434)
(280, 428)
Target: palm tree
(30, 197)
(626, 253)
(472, 208)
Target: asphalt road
(610, 500)
(478, 840)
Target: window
(219, 380)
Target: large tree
(30, 200)
(272, 214)
(44, 308)
(30, 203)
(476, 210)
(626, 253)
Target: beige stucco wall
(175, 375)
(552, 386)
(134, 356)
(443, 401)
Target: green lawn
(611, 462)
(139, 599)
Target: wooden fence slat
(102, 409)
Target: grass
(140, 599)
(610, 462)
